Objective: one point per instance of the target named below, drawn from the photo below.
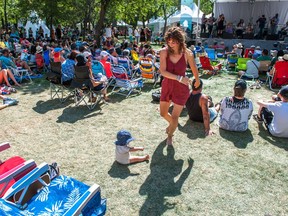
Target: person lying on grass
(7, 102)
(274, 114)
(200, 107)
(123, 149)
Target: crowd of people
(234, 111)
(217, 26)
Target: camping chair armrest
(77, 207)
(27, 180)
(17, 170)
(4, 146)
(136, 80)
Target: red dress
(173, 90)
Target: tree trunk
(100, 23)
(5, 15)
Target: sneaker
(257, 119)
(10, 102)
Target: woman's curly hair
(176, 34)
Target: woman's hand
(185, 80)
(197, 83)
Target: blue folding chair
(211, 54)
(36, 194)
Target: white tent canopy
(37, 22)
(156, 25)
(251, 10)
(187, 13)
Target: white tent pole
(198, 12)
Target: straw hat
(39, 49)
(285, 57)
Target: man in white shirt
(108, 32)
(252, 71)
(274, 115)
(136, 34)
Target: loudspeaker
(227, 35)
(204, 35)
(272, 37)
(248, 36)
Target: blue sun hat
(123, 138)
(57, 49)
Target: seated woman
(98, 85)
(5, 74)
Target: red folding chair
(247, 50)
(280, 75)
(206, 65)
(12, 169)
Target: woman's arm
(165, 73)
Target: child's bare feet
(147, 157)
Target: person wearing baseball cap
(236, 111)
(106, 63)
(274, 114)
(123, 149)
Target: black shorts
(267, 117)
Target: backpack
(156, 96)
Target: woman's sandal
(257, 119)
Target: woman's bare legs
(171, 118)
(10, 74)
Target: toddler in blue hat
(123, 149)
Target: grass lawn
(225, 174)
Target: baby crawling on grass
(123, 149)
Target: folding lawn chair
(12, 169)
(36, 194)
(280, 76)
(124, 83)
(20, 74)
(57, 88)
(247, 51)
(84, 89)
(206, 65)
(211, 54)
(264, 66)
(241, 64)
(127, 65)
(148, 70)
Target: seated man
(235, 111)
(198, 108)
(252, 69)
(265, 56)
(274, 114)
(106, 64)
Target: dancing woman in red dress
(175, 86)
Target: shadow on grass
(73, 114)
(35, 87)
(160, 183)
(276, 141)
(43, 107)
(194, 130)
(239, 139)
(120, 171)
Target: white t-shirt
(122, 154)
(252, 68)
(129, 31)
(235, 113)
(279, 124)
(136, 33)
(108, 32)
